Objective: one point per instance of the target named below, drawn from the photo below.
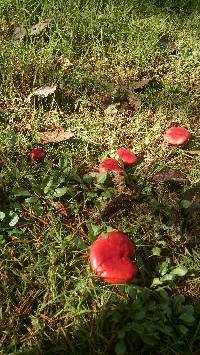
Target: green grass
(50, 301)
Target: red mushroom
(109, 165)
(110, 258)
(177, 135)
(127, 156)
(37, 154)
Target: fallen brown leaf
(58, 135)
(169, 175)
(19, 33)
(43, 92)
(60, 208)
(39, 27)
(137, 86)
(134, 101)
(111, 110)
(64, 62)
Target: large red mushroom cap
(109, 165)
(127, 156)
(110, 258)
(37, 154)
(177, 135)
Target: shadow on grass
(143, 322)
(176, 6)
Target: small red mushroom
(109, 165)
(177, 135)
(37, 154)
(127, 156)
(110, 258)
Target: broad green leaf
(167, 330)
(188, 308)
(107, 194)
(38, 209)
(91, 195)
(87, 178)
(165, 266)
(187, 318)
(120, 348)
(2, 216)
(182, 329)
(48, 185)
(162, 243)
(167, 277)
(121, 334)
(155, 282)
(93, 231)
(2, 240)
(16, 232)
(156, 251)
(116, 316)
(179, 271)
(164, 295)
(20, 191)
(31, 200)
(149, 339)
(63, 163)
(77, 178)
(101, 178)
(79, 243)
(58, 180)
(139, 315)
(60, 191)
(147, 190)
(131, 290)
(14, 220)
(37, 189)
(178, 299)
(185, 203)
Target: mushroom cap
(177, 135)
(110, 164)
(37, 154)
(110, 258)
(127, 156)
